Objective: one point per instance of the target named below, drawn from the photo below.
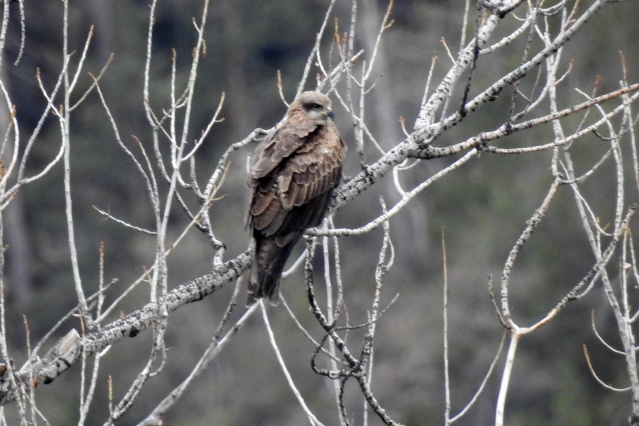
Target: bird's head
(313, 105)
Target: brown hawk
(294, 170)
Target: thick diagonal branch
(69, 350)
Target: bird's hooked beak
(330, 114)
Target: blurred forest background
(482, 209)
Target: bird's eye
(315, 106)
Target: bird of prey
(294, 170)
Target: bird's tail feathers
(266, 272)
